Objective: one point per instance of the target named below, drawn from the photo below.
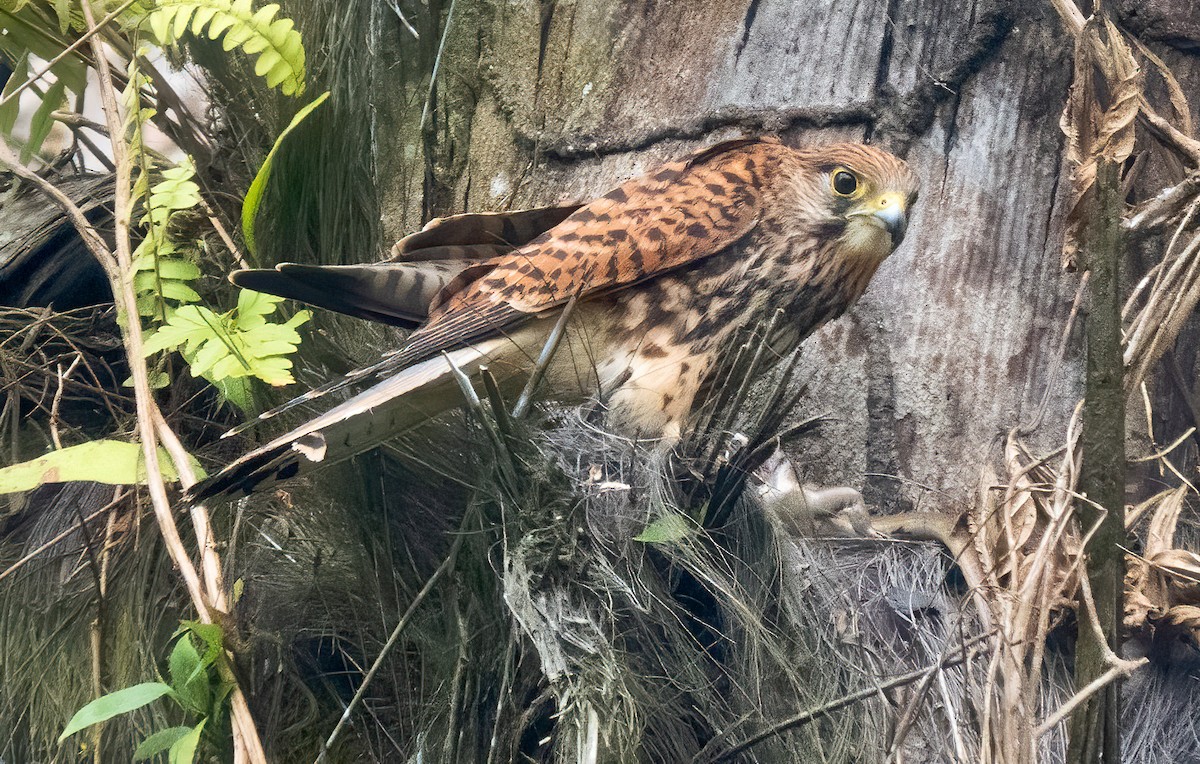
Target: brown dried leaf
(1175, 93)
(1076, 123)
(1180, 566)
(1135, 513)
(1145, 599)
(1181, 617)
(982, 523)
(1104, 63)
(1160, 536)
(1020, 507)
(1115, 139)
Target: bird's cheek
(865, 240)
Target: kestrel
(664, 271)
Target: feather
(485, 234)
(616, 240)
(399, 294)
(395, 405)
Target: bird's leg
(806, 510)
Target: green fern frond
(275, 42)
(175, 192)
(163, 267)
(233, 345)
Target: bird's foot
(807, 510)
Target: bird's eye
(844, 183)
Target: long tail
(391, 407)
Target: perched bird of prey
(663, 272)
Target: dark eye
(844, 183)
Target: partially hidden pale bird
(662, 272)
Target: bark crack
(547, 18)
(913, 113)
(883, 67)
(585, 146)
(747, 23)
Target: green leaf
(159, 742)
(9, 111)
(148, 305)
(171, 289)
(211, 353)
(114, 704)
(177, 270)
(152, 251)
(254, 195)
(42, 122)
(160, 26)
(202, 17)
(220, 23)
(211, 634)
(184, 749)
(62, 8)
(668, 528)
(251, 303)
(237, 390)
(181, 22)
(178, 291)
(113, 462)
(190, 326)
(188, 676)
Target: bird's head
(863, 197)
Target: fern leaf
(181, 21)
(203, 16)
(275, 42)
(241, 343)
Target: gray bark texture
(957, 339)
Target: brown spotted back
(682, 212)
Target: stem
(1095, 729)
(118, 266)
(543, 361)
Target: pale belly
(646, 352)
(643, 359)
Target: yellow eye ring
(843, 182)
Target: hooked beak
(888, 211)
